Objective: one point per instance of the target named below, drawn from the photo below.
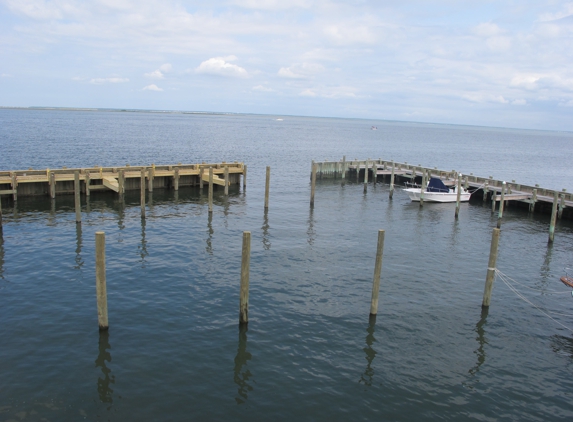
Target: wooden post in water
(87, 183)
(312, 184)
(392, 182)
(244, 294)
(533, 201)
(226, 180)
(267, 187)
(14, 183)
(365, 176)
(485, 190)
(150, 177)
(176, 179)
(422, 188)
(101, 290)
(121, 182)
(561, 205)
(244, 176)
(377, 271)
(142, 192)
(210, 190)
(553, 218)
(344, 167)
(52, 185)
(374, 172)
(501, 202)
(201, 171)
(0, 213)
(490, 277)
(458, 196)
(77, 201)
(493, 201)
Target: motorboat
(437, 191)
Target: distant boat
(374, 128)
(279, 120)
(438, 192)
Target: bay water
(174, 350)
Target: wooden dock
(535, 197)
(52, 182)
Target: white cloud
(499, 44)
(99, 81)
(567, 11)
(487, 29)
(5, 75)
(481, 97)
(262, 88)
(300, 70)
(273, 4)
(350, 33)
(159, 73)
(35, 9)
(152, 87)
(519, 102)
(308, 93)
(221, 66)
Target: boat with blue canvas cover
(437, 191)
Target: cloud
(221, 66)
(481, 97)
(100, 81)
(152, 87)
(519, 102)
(566, 12)
(308, 93)
(300, 71)
(273, 4)
(331, 92)
(487, 29)
(35, 9)
(5, 75)
(262, 88)
(159, 73)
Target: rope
(552, 292)
(514, 290)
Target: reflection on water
(266, 240)
(1, 255)
(88, 205)
(52, 217)
(562, 346)
(210, 231)
(105, 379)
(79, 260)
(480, 351)
(121, 217)
(241, 371)
(545, 268)
(143, 246)
(311, 232)
(368, 375)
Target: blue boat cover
(436, 185)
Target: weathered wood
(121, 182)
(226, 180)
(458, 195)
(553, 218)
(245, 269)
(201, 176)
(515, 197)
(111, 183)
(0, 213)
(485, 190)
(422, 187)
(101, 288)
(343, 171)
(210, 190)
(77, 201)
(150, 180)
(52, 185)
(14, 183)
(267, 187)
(245, 176)
(142, 192)
(216, 179)
(312, 184)
(490, 276)
(501, 205)
(392, 181)
(561, 205)
(365, 176)
(88, 188)
(533, 201)
(377, 272)
(176, 177)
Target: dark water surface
(174, 350)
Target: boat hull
(414, 194)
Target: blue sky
(493, 63)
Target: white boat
(438, 192)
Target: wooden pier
(534, 197)
(52, 182)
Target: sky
(505, 63)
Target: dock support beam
(533, 201)
(101, 289)
(244, 176)
(490, 277)
(244, 294)
(142, 193)
(52, 185)
(77, 201)
(267, 187)
(343, 167)
(501, 205)
(458, 195)
(176, 179)
(365, 176)
(422, 187)
(210, 190)
(392, 182)
(553, 218)
(312, 184)
(377, 272)
(226, 180)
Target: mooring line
(552, 292)
(514, 290)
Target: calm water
(174, 350)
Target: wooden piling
(226, 180)
(392, 181)
(533, 201)
(52, 185)
(422, 187)
(343, 167)
(561, 205)
(365, 176)
(458, 195)
(201, 171)
(101, 289)
(374, 172)
(14, 183)
(493, 200)
(244, 294)
(121, 182)
(501, 205)
(244, 176)
(78, 205)
(485, 190)
(210, 190)
(490, 277)
(150, 178)
(267, 187)
(377, 272)
(553, 218)
(312, 184)
(142, 193)
(87, 183)
(0, 213)
(176, 179)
